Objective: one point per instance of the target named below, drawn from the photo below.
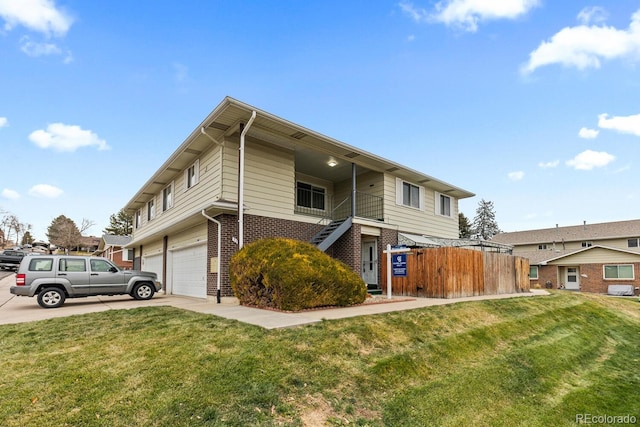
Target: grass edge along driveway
(526, 361)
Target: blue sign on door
(399, 265)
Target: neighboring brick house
(245, 174)
(113, 247)
(587, 257)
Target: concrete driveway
(15, 309)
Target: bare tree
(86, 224)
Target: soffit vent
(351, 155)
(219, 126)
(298, 135)
(393, 169)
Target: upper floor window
(623, 271)
(444, 205)
(633, 243)
(543, 246)
(310, 196)
(587, 244)
(167, 197)
(192, 175)
(138, 218)
(408, 194)
(151, 209)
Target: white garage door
(189, 276)
(153, 264)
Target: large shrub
(292, 275)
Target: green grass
(526, 361)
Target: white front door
(572, 279)
(370, 262)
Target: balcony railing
(367, 206)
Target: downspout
(353, 189)
(219, 263)
(241, 182)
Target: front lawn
(527, 361)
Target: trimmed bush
(292, 275)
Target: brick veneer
(591, 278)
(255, 227)
(345, 249)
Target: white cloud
(467, 14)
(547, 165)
(10, 194)
(589, 159)
(63, 137)
(585, 46)
(588, 133)
(622, 124)
(45, 190)
(591, 14)
(4, 122)
(32, 48)
(41, 16)
(516, 176)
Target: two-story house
(587, 257)
(245, 174)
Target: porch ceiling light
(332, 162)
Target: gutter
(241, 182)
(219, 263)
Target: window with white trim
(310, 196)
(587, 244)
(167, 197)
(620, 271)
(192, 175)
(410, 195)
(138, 218)
(533, 272)
(151, 209)
(443, 204)
(542, 247)
(633, 243)
(127, 254)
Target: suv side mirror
(113, 270)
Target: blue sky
(531, 104)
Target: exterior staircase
(330, 233)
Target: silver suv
(54, 278)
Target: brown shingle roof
(584, 232)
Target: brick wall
(255, 228)
(591, 278)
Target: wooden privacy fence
(451, 272)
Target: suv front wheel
(142, 291)
(51, 298)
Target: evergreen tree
(27, 238)
(485, 225)
(464, 227)
(120, 224)
(63, 232)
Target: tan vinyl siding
(597, 256)
(414, 220)
(192, 236)
(186, 202)
(230, 171)
(154, 248)
(269, 181)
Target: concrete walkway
(22, 309)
